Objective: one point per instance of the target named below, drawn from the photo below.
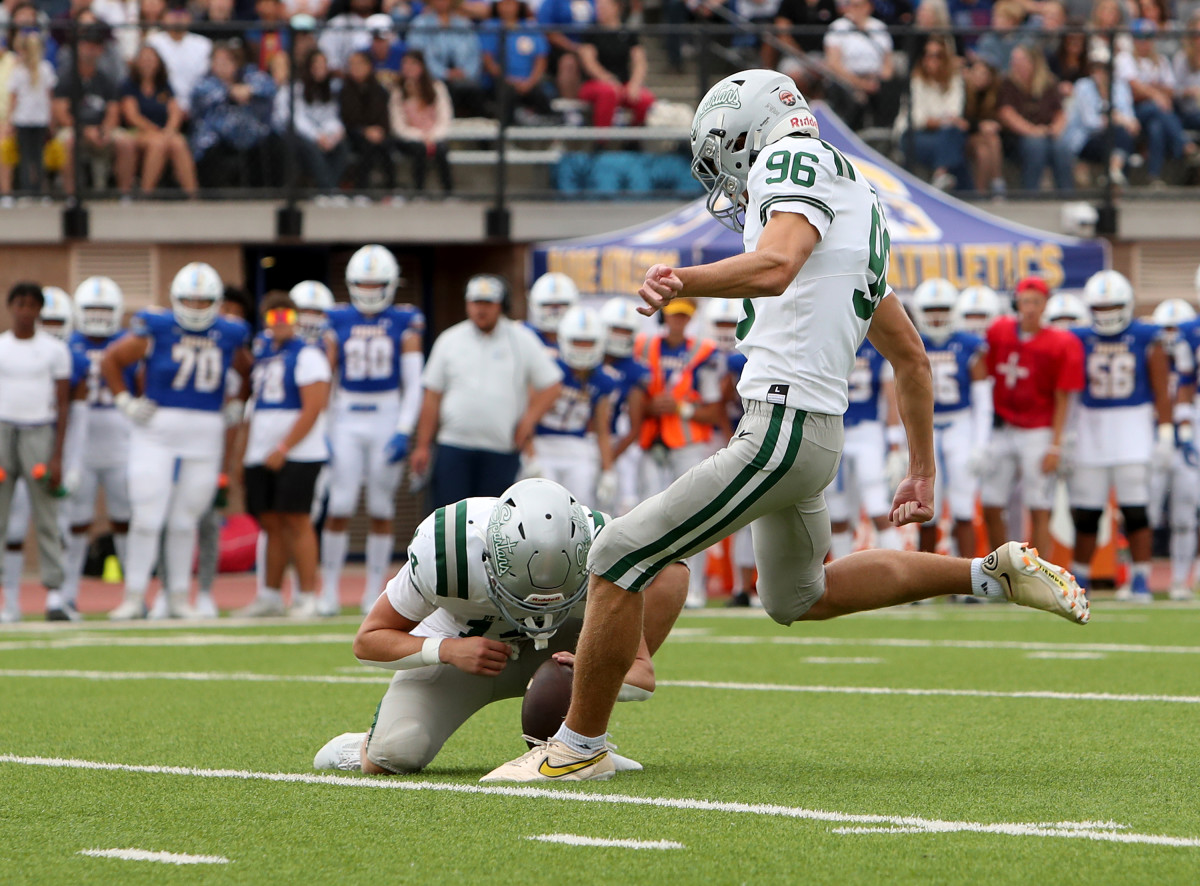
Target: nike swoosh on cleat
(559, 771)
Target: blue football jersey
(186, 370)
(572, 411)
(86, 354)
(1185, 353)
(864, 386)
(274, 373)
(951, 364)
(369, 346)
(1117, 366)
(628, 374)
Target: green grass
(986, 760)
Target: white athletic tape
(1099, 831)
(147, 855)
(575, 840)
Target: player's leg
(16, 529)
(680, 461)
(665, 597)
(745, 568)
(838, 503)
(261, 486)
(382, 482)
(346, 467)
(9, 485)
(208, 556)
(997, 483)
(1088, 492)
(34, 446)
(1037, 487)
(493, 472)
(194, 489)
(1185, 498)
(962, 487)
(628, 469)
(81, 507)
(1132, 485)
(928, 537)
(293, 503)
(870, 469)
(151, 485)
(115, 481)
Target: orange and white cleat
(1028, 580)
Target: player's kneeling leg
(791, 574)
(402, 746)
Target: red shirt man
(1034, 371)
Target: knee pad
(1087, 521)
(1135, 518)
(403, 749)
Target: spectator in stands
(384, 49)
(799, 14)
(1187, 76)
(938, 137)
(231, 122)
(186, 55)
(759, 13)
(421, 112)
(119, 15)
(150, 110)
(893, 12)
(318, 9)
(30, 90)
(984, 147)
(969, 14)
(304, 33)
(452, 54)
(215, 21)
(1031, 112)
(271, 37)
(1152, 82)
(111, 63)
(319, 136)
(150, 17)
(1156, 11)
(343, 33)
(99, 116)
(1069, 60)
(1088, 133)
(558, 16)
(996, 46)
(1106, 16)
(526, 60)
(364, 112)
(858, 50)
(615, 64)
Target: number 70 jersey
(800, 346)
(184, 369)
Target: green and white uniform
(800, 348)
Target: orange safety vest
(671, 429)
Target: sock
(889, 539)
(121, 543)
(54, 600)
(139, 560)
(841, 544)
(14, 565)
(260, 563)
(333, 558)
(74, 555)
(1082, 573)
(271, 595)
(580, 744)
(982, 584)
(1140, 573)
(379, 560)
(181, 548)
(1183, 552)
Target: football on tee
(546, 700)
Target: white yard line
(90, 640)
(147, 855)
(1087, 830)
(575, 840)
(913, 643)
(1069, 656)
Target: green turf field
(1032, 751)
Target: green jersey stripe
(722, 527)
(793, 198)
(598, 520)
(656, 547)
(439, 551)
(461, 588)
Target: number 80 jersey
(186, 370)
(368, 346)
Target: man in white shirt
(35, 393)
(185, 55)
(858, 49)
(487, 384)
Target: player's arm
(125, 351)
(635, 407)
(427, 424)
(62, 400)
(1159, 368)
(314, 397)
(412, 366)
(981, 403)
(540, 402)
(602, 426)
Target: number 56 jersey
(800, 346)
(1116, 415)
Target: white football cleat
(261, 607)
(1181, 594)
(205, 607)
(553, 760)
(1124, 594)
(304, 606)
(158, 609)
(1028, 580)
(130, 608)
(343, 752)
(622, 764)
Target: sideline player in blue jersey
(962, 411)
(378, 356)
(861, 482)
(561, 443)
(1125, 394)
(621, 324)
(177, 442)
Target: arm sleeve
(312, 367)
(797, 175)
(412, 364)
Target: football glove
(138, 410)
(396, 448)
(1164, 447)
(606, 488)
(897, 467)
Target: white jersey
(800, 346)
(444, 585)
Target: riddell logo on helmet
(787, 98)
(804, 120)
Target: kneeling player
(492, 589)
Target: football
(547, 698)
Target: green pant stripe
(760, 460)
(460, 550)
(439, 550)
(720, 529)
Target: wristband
(686, 411)
(431, 653)
(428, 654)
(1183, 412)
(1166, 433)
(1185, 433)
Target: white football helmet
(723, 314)
(313, 301)
(372, 276)
(976, 308)
(1198, 285)
(551, 296)
(1109, 297)
(55, 316)
(537, 547)
(99, 307)
(1065, 311)
(196, 281)
(736, 119)
(933, 309)
(581, 338)
(621, 324)
(1171, 314)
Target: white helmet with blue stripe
(621, 324)
(99, 307)
(313, 301)
(581, 338)
(55, 316)
(934, 302)
(1171, 314)
(977, 307)
(199, 283)
(1065, 311)
(1109, 296)
(372, 276)
(550, 297)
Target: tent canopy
(933, 235)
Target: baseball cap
(1035, 283)
(680, 306)
(380, 22)
(1143, 28)
(485, 287)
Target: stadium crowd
(325, 400)
(205, 89)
